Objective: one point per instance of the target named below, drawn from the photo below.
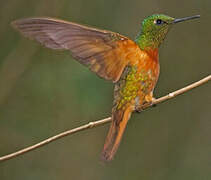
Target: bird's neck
(153, 54)
(148, 45)
(146, 41)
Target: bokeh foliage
(43, 92)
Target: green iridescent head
(155, 28)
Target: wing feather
(100, 50)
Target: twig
(101, 122)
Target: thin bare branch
(101, 122)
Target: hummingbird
(133, 66)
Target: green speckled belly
(132, 88)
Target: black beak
(186, 18)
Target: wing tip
(14, 24)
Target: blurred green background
(44, 92)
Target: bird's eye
(158, 22)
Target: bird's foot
(148, 102)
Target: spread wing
(102, 51)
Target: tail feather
(118, 125)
